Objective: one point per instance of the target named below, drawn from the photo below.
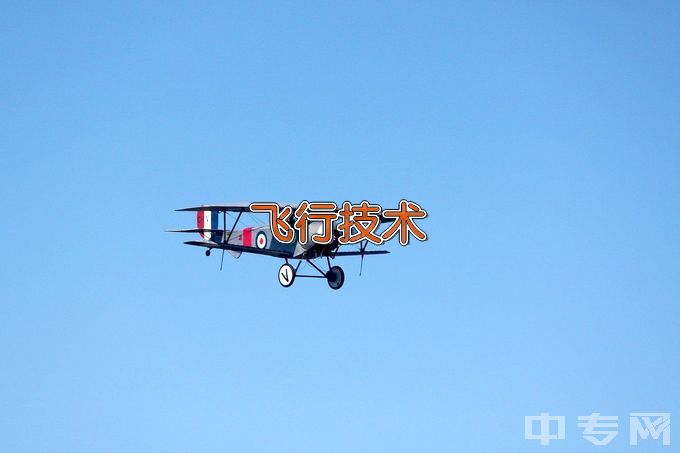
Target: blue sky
(542, 138)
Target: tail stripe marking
(248, 237)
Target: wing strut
(226, 241)
(233, 226)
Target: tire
(335, 277)
(286, 275)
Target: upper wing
(199, 230)
(240, 248)
(229, 207)
(245, 207)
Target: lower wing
(358, 253)
(240, 248)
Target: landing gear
(286, 275)
(335, 277)
(207, 252)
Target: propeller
(362, 248)
(224, 225)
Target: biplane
(259, 240)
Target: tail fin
(208, 220)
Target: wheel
(335, 277)
(286, 275)
(207, 252)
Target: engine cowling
(312, 229)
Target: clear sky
(543, 138)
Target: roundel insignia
(261, 240)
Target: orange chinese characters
(403, 222)
(359, 222)
(278, 222)
(321, 216)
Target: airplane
(259, 240)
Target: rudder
(207, 220)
